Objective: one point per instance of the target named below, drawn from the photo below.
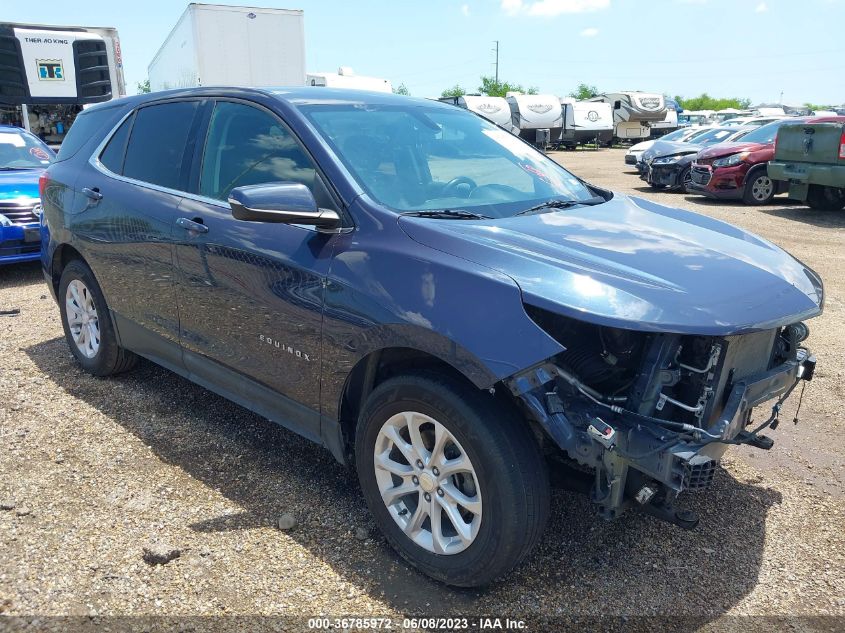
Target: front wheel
(456, 484)
(759, 188)
(87, 324)
(825, 198)
(684, 180)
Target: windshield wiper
(449, 214)
(561, 204)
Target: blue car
(23, 158)
(428, 296)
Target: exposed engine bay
(648, 415)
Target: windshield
(767, 133)
(22, 150)
(414, 157)
(715, 135)
(677, 135)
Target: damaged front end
(649, 415)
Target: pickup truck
(810, 157)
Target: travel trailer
(50, 72)
(495, 109)
(345, 77)
(585, 122)
(633, 112)
(208, 47)
(536, 118)
(670, 119)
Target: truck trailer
(49, 72)
(233, 46)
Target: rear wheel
(456, 484)
(759, 188)
(87, 324)
(825, 198)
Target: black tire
(506, 460)
(824, 198)
(759, 188)
(109, 358)
(684, 178)
(654, 185)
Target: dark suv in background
(429, 297)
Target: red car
(737, 171)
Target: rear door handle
(194, 225)
(93, 193)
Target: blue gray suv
(431, 298)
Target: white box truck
(49, 72)
(215, 45)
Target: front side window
(248, 146)
(158, 143)
(22, 150)
(419, 157)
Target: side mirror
(281, 203)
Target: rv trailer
(345, 77)
(670, 119)
(585, 122)
(633, 112)
(536, 118)
(495, 109)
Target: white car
(755, 121)
(633, 155)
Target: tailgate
(810, 143)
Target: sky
(755, 49)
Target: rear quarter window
(90, 125)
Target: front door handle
(194, 225)
(93, 193)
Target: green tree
(492, 88)
(402, 90)
(815, 106)
(584, 91)
(143, 86)
(705, 102)
(454, 91)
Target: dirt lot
(93, 470)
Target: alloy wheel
(761, 188)
(82, 318)
(428, 483)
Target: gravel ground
(102, 479)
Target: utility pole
(497, 60)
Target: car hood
(19, 185)
(726, 149)
(640, 147)
(668, 148)
(636, 264)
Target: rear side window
(112, 156)
(89, 124)
(158, 143)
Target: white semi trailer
(536, 118)
(49, 72)
(585, 122)
(633, 112)
(214, 45)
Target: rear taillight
(842, 145)
(42, 184)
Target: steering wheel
(451, 187)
